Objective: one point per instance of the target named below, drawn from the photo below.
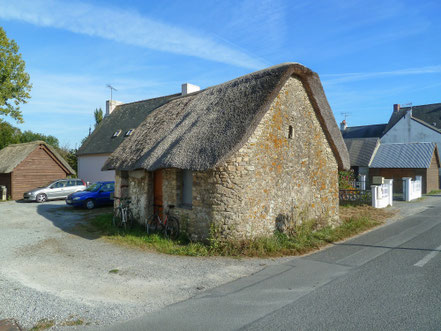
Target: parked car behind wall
(96, 194)
(58, 189)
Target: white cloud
(357, 76)
(126, 27)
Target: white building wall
(89, 168)
(410, 131)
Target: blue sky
(369, 54)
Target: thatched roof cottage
(244, 157)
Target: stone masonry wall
(195, 220)
(274, 180)
(138, 186)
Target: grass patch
(113, 271)
(76, 322)
(43, 324)
(306, 237)
(434, 192)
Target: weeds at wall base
(306, 237)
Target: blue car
(95, 195)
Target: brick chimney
(188, 88)
(396, 108)
(111, 105)
(343, 125)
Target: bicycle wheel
(151, 224)
(116, 220)
(129, 220)
(172, 228)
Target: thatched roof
(12, 155)
(125, 117)
(201, 130)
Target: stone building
(242, 158)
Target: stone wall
(196, 220)
(274, 180)
(138, 186)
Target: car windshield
(93, 188)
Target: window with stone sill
(186, 189)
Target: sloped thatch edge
(132, 155)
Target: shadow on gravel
(72, 220)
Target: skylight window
(129, 133)
(116, 134)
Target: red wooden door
(157, 191)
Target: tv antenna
(345, 114)
(111, 90)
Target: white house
(414, 124)
(120, 121)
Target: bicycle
(168, 225)
(122, 215)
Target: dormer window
(116, 134)
(129, 133)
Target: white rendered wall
(89, 168)
(410, 131)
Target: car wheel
(89, 204)
(41, 197)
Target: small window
(129, 133)
(79, 182)
(71, 183)
(116, 134)
(290, 132)
(187, 188)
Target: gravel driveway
(49, 270)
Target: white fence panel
(382, 194)
(412, 189)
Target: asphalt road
(387, 279)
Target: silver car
(58, 189)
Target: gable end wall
(37, 169)
(273, 181)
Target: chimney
(396, 108)
(343, 125)
(188, 88)
(111, 105)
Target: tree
(98, 116)
(28, 136)
(8, 134)
(70, 155)
(14, 81)
(12, 135)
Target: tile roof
(425, 114)
(364, 131)
(407, 155)
(361, 150)
(125, 117)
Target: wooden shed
(26, 166)
(396, 161)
